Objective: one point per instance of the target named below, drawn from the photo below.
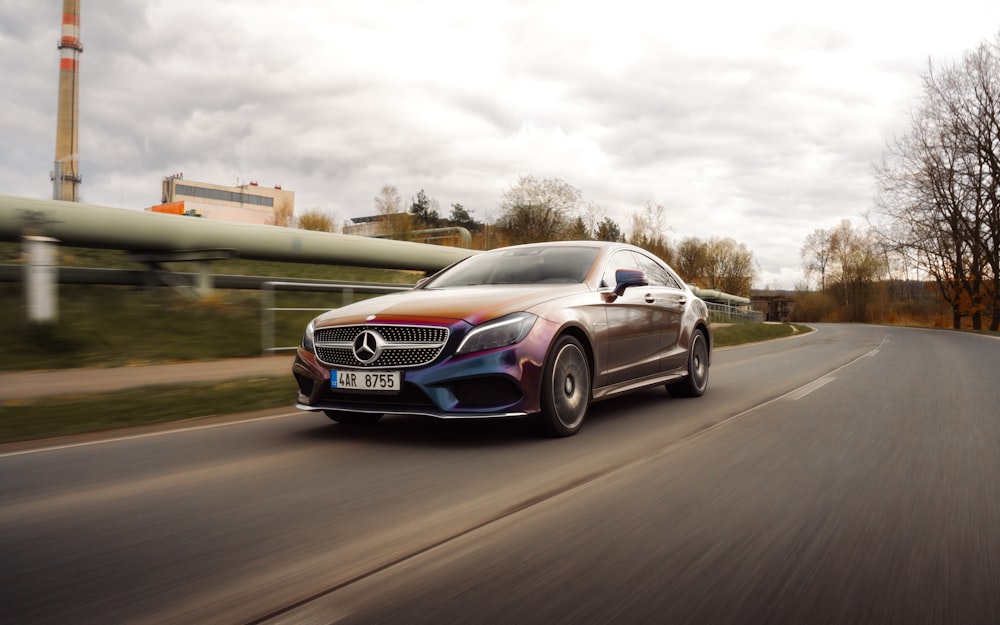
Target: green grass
(44, 418)
(742, 333)
(119, 326)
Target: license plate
(377, 381)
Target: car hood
(471, 304)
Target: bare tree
(283, 214)
(733, 266)
(970, 93)
(719, 263)
(921, 195)
(691, 261)
(857, 266)
(594, 215)
(648, 230)
(940, 185)
(388, 206)
(538, 209)
(388, 201)
(815, 254)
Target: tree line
(849, 265)
(936, 217)
(537, 209)
(938, 207)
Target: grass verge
(102, 326)
(742, 333)
(44, 418)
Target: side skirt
(633, 385)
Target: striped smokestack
(66, 177)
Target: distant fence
(720, 313)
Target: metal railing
(268, 309)
(721, 313)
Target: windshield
(523, 265)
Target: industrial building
(370, 226)
(246, 203)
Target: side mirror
(624, 278)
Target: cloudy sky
(758, 121)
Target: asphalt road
(848, 476)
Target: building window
(225, 196)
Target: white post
(203, 280)
(41, 279)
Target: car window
(656, 273)
(622, 259)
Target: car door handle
(650, 298)
(682, 300)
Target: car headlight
(307, 337)
(500, 333)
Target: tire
(353, 418)
(696, 380)
(565, 388)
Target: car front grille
(395, 346)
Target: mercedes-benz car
(537, 330)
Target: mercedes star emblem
(367, 346)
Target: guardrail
(268, 309)
(720, 313)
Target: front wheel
(694, 384)
(353, 418)
(565, 388)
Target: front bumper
(503, 382)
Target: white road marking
(115, 439)
(802, 391)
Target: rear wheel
(565, 388)
(696, 381)
(353, 418)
